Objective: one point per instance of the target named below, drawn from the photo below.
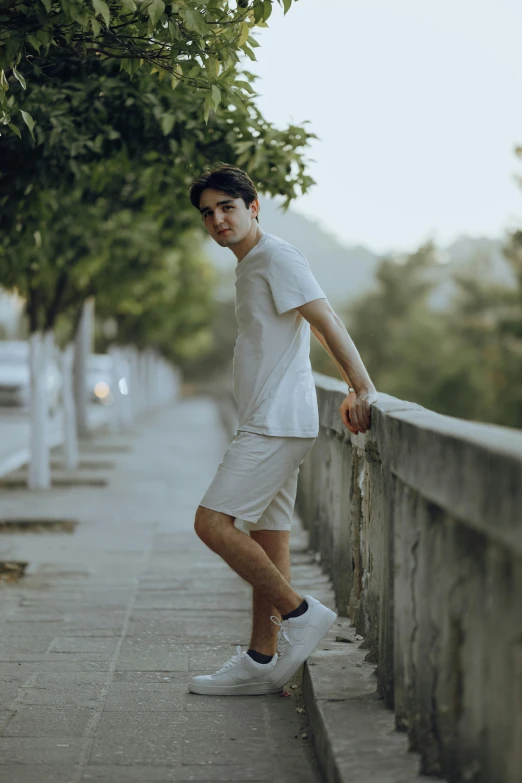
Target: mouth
(224, 231)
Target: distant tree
(392, 329)
(465, 361)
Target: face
(228, 220)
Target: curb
(353, 732)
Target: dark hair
(231, 180)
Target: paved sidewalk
(98, 640)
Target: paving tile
(70, 681)
(82, 644)
(39, 750)
(37, 721)
(224, 747)
(173, 662)
(131, 740)
(145, 698)
(36, 773)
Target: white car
(15, 380)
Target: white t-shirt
(273, 382)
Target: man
(277, 297)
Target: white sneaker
(298, 637)
(240, 676)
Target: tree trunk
(83, 348)
(39, 462)
(127, 390)
(69, 410)
(119, 390)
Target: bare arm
(332, 334)
(323, 342)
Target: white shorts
(256, 481)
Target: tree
(117, 156)
(197, 43)
(117, 145)
(380, 321)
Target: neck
(245, 246)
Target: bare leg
(246, 557)
(264, 631)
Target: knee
(202, 523)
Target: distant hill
(345, 272)
(342, 272)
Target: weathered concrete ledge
(419, 526)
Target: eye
(227, 206)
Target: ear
(254, 208)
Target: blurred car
(15, 380)
(100, 378)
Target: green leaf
(244, 85)
(194, 20)
(267, 9)
(167, 123)
(47, 5)
(212, 66)
(216, 95)
(176, 76)
(15, 129)
(286, 5)
(19, 77)
(125, 65)
(4, 84)
(208, 106)
(44, 36)
(101, 7)
(96, 27)
(259, 11)
(247, 50)
(28, 120)
(243, 36)
(33, 40)
(156, 9)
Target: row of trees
(465, 361)
(94, 200)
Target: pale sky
(418, 105)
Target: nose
(218, 217)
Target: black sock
(301, 609)
(259, 657)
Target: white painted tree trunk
(69, 410)
(83, 347)
(119, 414)
(39, 462)
(127, 410)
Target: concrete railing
(419, 525)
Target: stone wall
(419, 525)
